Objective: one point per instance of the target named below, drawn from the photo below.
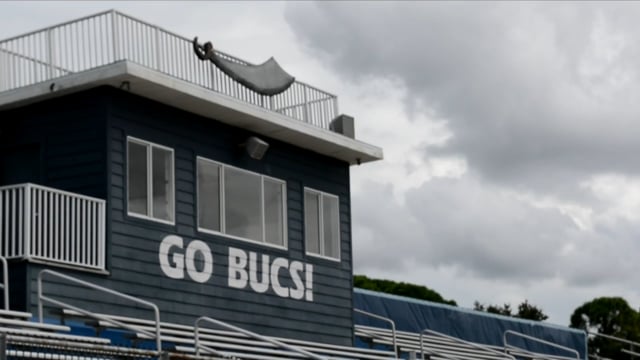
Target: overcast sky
(511, 132)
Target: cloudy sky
(510, 132)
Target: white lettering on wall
(238, 277)
(287, 279)
(175, 271)
(244, 270)
(197, 246)
(180, 260)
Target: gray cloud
(529, 89)
(486, 233)
(540, 98)
(462, 224)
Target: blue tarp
(416, 315)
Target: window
(240, 203)
(150, 180)
(321, 224)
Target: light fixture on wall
(255, 147)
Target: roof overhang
(196, 99)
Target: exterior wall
(59, 143)
(65, 136)
(133, 260)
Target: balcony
(106, 38)
(39, 223)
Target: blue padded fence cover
(416, 315)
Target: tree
(525, 310)
(531, 312)
(400, 288)
(493, 309)
(609, 316)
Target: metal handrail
(39, 62)
(198, 346)
(5, 281)
(624, 341)
(632, 353)
(610, 337)
(42, 299)
(469, 343)
(535, 339)
(386, 319)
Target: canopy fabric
(267, 78)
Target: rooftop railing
(111, 36)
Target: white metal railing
(111, 36)
(509, 347)
(48, 299)
(632, 344)
(42, 223)
(198, 344)
(484, 348)
(5, 282)
(385, 319)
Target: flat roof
(193, 98)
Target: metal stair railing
(5, 282)
(535, 339)
(632, 344)
(379, 317)
(42, 299)
(280, 344)
(455, 339)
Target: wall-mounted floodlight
(255, 147)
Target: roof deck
(111, 48)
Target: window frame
(321, 247)
(150, 145)
(221, 196)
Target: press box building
(129, 162)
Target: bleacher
(77, 334)
(434, 345)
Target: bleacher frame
(21, 336)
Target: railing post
(40, 304)
(114, 34)
(5, 282)
(102, 248)
(27, 222)
(305, 114)
(3, 346)
(3, 68)
(159, 62)
(50, 54)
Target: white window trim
(223, 219)
(151, 145)
(321, 224)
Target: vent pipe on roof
(343, 124)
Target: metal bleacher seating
(436, 346)
(233, 344)
(21, 337)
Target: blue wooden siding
(133, 243)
